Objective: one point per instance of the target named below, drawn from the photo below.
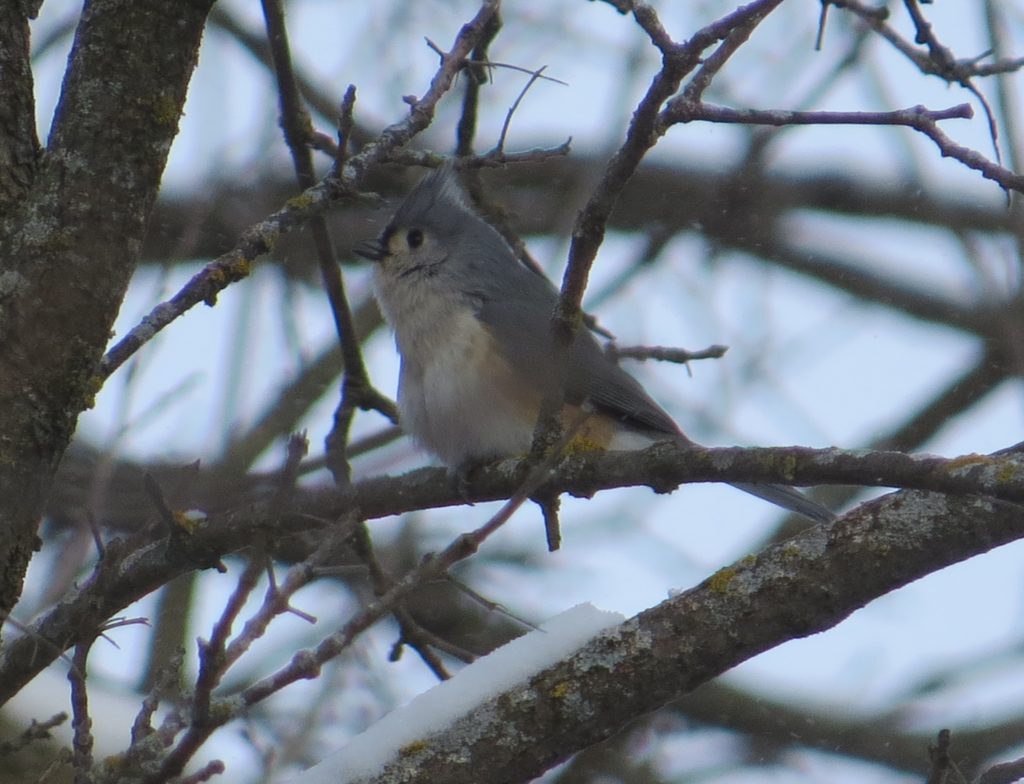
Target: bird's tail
(788, 498)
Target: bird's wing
(518, 314)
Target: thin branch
(207, 772)
(919, 118)
(346, 122)
(466, 129)
(1000, 175)
(939, 755)
(549, 504)
(592, 221)
(483, 62)
(938, 60)
(254, 41)
(499, 148)
(410, 632)
(208, 715)
(681, 110)
(1005, 66)
(714, 63)
(1004, 773)
(357, 391)
(81, 723)
(307, 664)
(212, 659)
(681, 356)
(260, 238)
(36, 731)
(678, 60)
(297, 448)
(941, 55)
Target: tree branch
(19, 145)
(799, 587)
(72, 244)
(260, 238)
(122, 578)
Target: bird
(472, 325)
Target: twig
(276, 601)
(822, 18)
(591, 224)
(35, 731)
(489, 160)
(941, 55)
(483, 62)
(664, 354)
(81, 723)
(420, 640)
(1008, 65)
(284, 413)
(678, 60)
(212, 660)
(298, 446)
(57, 769)
(426, 639)
(876, 18)
(97, 536)
(488, 604)
(499, 148)
(207, 772)
(714, 63)
(142, 726)
(919, 118)
(206, 718)
(681, 110)
(409, 631)
(253, 41)
(147, 742)
(117, 623)
(1003, 773)
(1000, 175)
(306, 664)
(346, 122)
(1006, 95)
(939, 756)
(357, 391)
(159, 501)
(466, 129)
(261, 237)
(549, 504)
(947, 68)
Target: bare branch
(1003, 773)
(260, 238)
(670, 649)
(661, 467)
(682, 110)
(81, 723)
(681, 356)
(37, 730)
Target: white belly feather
(458, 398)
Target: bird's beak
(374, 250)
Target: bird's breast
(458, 396)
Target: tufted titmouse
(473, 327)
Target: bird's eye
(414, 238)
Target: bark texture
(71, 229)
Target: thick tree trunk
(71, 227)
